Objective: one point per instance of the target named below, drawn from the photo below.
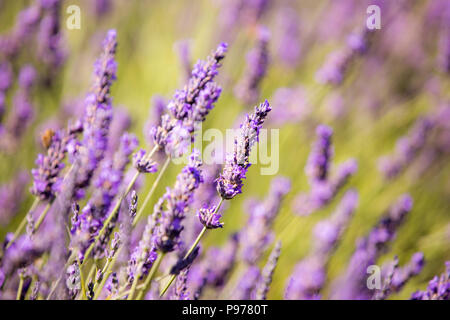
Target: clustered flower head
(189, 105)
(324, 185)
(247, 89)
(177, 200)
(229, 183)
(98, 113)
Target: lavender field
(224, 149)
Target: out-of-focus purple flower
(229, 183)
(323, 186)
(189, 105)
(98, 114)
(102, 7)
(177, 202)
(406, 149)
(288, 45)
(352, 285)
(215, 268)
(143, 164)
(11, 196)
(309, 275)
(49, 37)
(22, 253)
(121, 122)
(247, 89)
(26, 22)
(327, 232)
(444, 42)
(107, 185)
(307, 279)
(403, 274)
(157, 109)
(183, 50)
(292, 106)
(319, 159)
(338, 62)
(267, 273)
(180, 291)
(256, 234)
(438, 287)
(6, 76)
(247, 283)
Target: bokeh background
(399, 79)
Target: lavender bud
(229, 182)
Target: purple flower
(338, 62)
(5, 76)
(256, 234)
(309, 276)
(327, 232)
(229, 183)
(107, 185)
(143, 164)
(98, 113)
(407, 148)
(49, 37)
(11, 196)
(247, 89)
(353, 284)
(177, 202)
(247, 283)
(438, 287)
(289, 47)
(180, 291)
(320, 157)
(189, 105)
(209, 218)
(404, 274)
(47, 180)
(307, 279)
(263, 285)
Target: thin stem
(150, 193)
(23, 223)
(42, 216)
(194, 245)
(152, 272)
(19, 290)
(116, 208)
(83, 285)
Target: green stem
(19, 290)
(150, 193)
(23, 223)
(42, 216)
(116, 208)
(83, 286)
(152, 272)
(194, 245)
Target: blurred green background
(148, 65)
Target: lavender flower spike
(320, 157)
(193, 103)
(247, 89)
(177, 202)
(438, 288)
(267, 273)
(98, 113)
(229, 183)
